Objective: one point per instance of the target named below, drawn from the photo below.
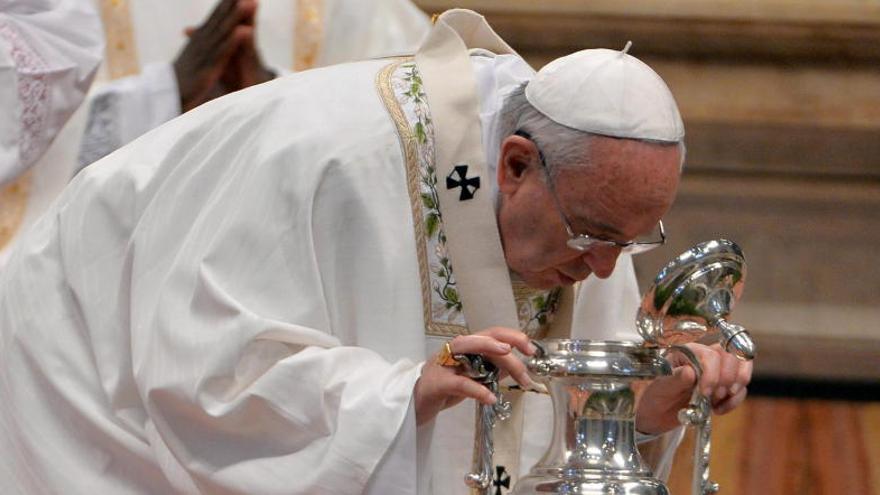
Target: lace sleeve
(122, 110)
(102, 134)
(33, 96)
(49, 53)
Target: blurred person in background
(237, 44)
(49, 53)
(165, 57)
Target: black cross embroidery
(468, 185)
(502, 479)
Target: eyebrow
(601, 227)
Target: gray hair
(562, 146)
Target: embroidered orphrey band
(399, 86)
(122, 55)
(13, 203)
(308, 33)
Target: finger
(710, 362)
(496, 351)
(513, 337)
(686, 376)
(218, 15)
(248, 10)
(743, 377)
(478, 344)
(460, 386)
(240, 36)
(728, 368)
(513, 366)
(730, 403)
(225, 29)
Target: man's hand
(245, 68)
(724, 382)
(211, 46)
(441, 387)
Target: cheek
(541, 250)
(533, 239)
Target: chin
(542, 280)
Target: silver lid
(693, 295)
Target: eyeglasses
(583, 242)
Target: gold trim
(410, 153)
(13, 204)
(122, 55)
(308, 33)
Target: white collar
(497, 76)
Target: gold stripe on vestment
(409, 147)
(13, 204)
(121, 51)
(308, 33)
(411, 161)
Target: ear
(517, 155)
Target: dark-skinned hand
(220, 55)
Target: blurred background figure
(165, 57)
(49, 53)
(161, 65)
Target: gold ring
(445, 358)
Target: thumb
(685, 376)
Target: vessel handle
(698, 414)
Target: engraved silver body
(593, 450)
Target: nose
(601, 260)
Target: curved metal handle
(699, 415)
(480, 477)
(485, 373)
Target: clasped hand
(220, 56)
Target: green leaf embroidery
(420, 133)
(432, 223)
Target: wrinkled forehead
(625, 179)
(645, 167)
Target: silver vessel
(593, 384)
(593, 450)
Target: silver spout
(736, 340)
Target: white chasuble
(230, 304)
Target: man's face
(630, 186)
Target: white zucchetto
(607, 92)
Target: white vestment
(233, 304)
(49, 52)
(346, 30)
(148, 34)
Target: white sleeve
(122, 110)
(49, 52)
